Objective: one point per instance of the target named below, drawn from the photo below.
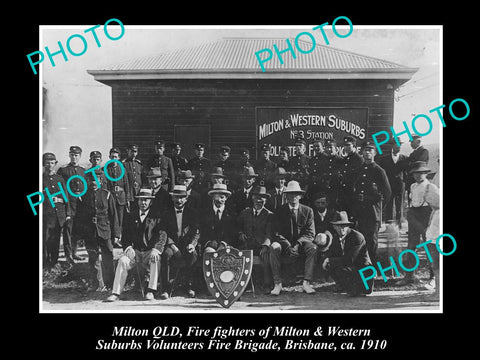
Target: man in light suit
(181, 225)
(255, 230)
(294, 234)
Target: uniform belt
(98, 217)
(117, 188)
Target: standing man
(371, 190)
(120, 188)
(294, 235)
(161, 199)
(395, 165)
(330, 173)
(70, 233)
(228, 167)
(218, 225)
(143, 243)
(348, 173)
(200, 168)
(55, 212)
(181, 224)
(315, 166)
(283, 161)
(242, 197)
(159, 160)
(347, 255)
(178, 161)
(95, 158)
(134, 171)
(98, 219)
(277, 196)
(255, 231)
(265, 167)
(298, 165)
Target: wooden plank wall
(143, 110)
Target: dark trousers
(70, 239)
(348, 278)
(369, 229)
(98, 246)
(306, 249)
(180, 259)
(264, 257)
(418, 218)
(51, 242)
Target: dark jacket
(275, 202)
(396, 172)
(97, 215)
(324, 225)
(213, 230)
(161, 202)
(143, 236)
(284, 230)
(120, 188)
(354, 253)
(255, 231)
(76, 185)
(238, 201)
(166, 166)
(61, 210)
(190, 227)
(134, 174)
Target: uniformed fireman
(159, 160)
(120, 189)
(200, 168)
(95, 158)
(329, 176)
(76, 186)
(98, 223)
(134, 171)
(54, 215)
(283, 159)
(227, 165)
(315, 166)
(348, 171)
(265, 167)
(298, 164)
(371, 193)
(178, 161)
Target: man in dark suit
(98, 223)
(242, 198)
(265, 167)
(181, 224)
(143, 243)
(348, 171)
(200, 168)
(277, 197)
(218, 225)
(178, 161)
(347, 255)
(395, 166)
(194, 199)
(255, 231)
(294, 234)
(228, 167)
(159, 160)
(56, 211)
(162, 199)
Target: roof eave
(400, 74)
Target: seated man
(255, 230)
(143, 242)
(181, 225)
(294, 235)
(347, 255)
(218, 223)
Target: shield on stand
(227, 273)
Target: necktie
(219, 216)
(294, 224)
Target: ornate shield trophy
(227, 273)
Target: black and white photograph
(259, 123)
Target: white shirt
(322, 214)
(257, 212)
(417, 193)
(142, 217)
(179, 215)
(279, 191)
(247, 191)
(395, 157)
(215, 210)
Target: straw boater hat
(145, 194)
(293, 187)
(420, 166)
(219, 189)
(260, 191)
(179, 190)
(341, 219)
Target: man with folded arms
(143, 242)
(294, 235)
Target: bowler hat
(420, 166)
(154, 172)
(341, 219)
(219, 189)
(179, 190)
(248, 171)
(218, 172)
(260, 191)
(145, 193)
(293, 187)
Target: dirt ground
(67, 292)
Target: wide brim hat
(341, 219)
(293, 187)
(218, 172)
(185, 174)
(322, 237)
(260, 191)
(154, 172)
(420, 166)
(145, 194)
(219, 189)
(248, 171)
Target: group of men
(325, 209)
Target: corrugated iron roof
(236, 57)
